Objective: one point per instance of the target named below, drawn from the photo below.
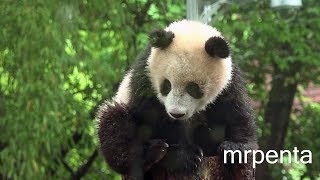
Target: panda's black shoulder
(233, 102)
(141, 91)
(236, 88)
(140, 83)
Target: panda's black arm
(241, 129)
(121, 145)
(116, 132)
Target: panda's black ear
(217, 47)
(161, 38)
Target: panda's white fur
(185, 60)
(123, 94)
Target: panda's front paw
(231, 153)
(182, 158)
(155, 150)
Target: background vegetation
(60, 59)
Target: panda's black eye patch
(165, 87)
(194, 90)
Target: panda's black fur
(134, 138)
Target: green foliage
(59, 60)
(303, 127)
(262, 37)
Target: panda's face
(186, 82)
(190, 71)
(181, 99)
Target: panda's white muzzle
(180, 105)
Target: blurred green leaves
(59, 60)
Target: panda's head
(189, 66)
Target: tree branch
(67, 167)
(141, 16)
(85, 167)
(3, 145)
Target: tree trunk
(277, 115)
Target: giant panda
(181, 101)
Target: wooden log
(211, 169)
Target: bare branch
(85, 167)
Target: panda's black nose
(177, 115)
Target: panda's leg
(120, 145)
